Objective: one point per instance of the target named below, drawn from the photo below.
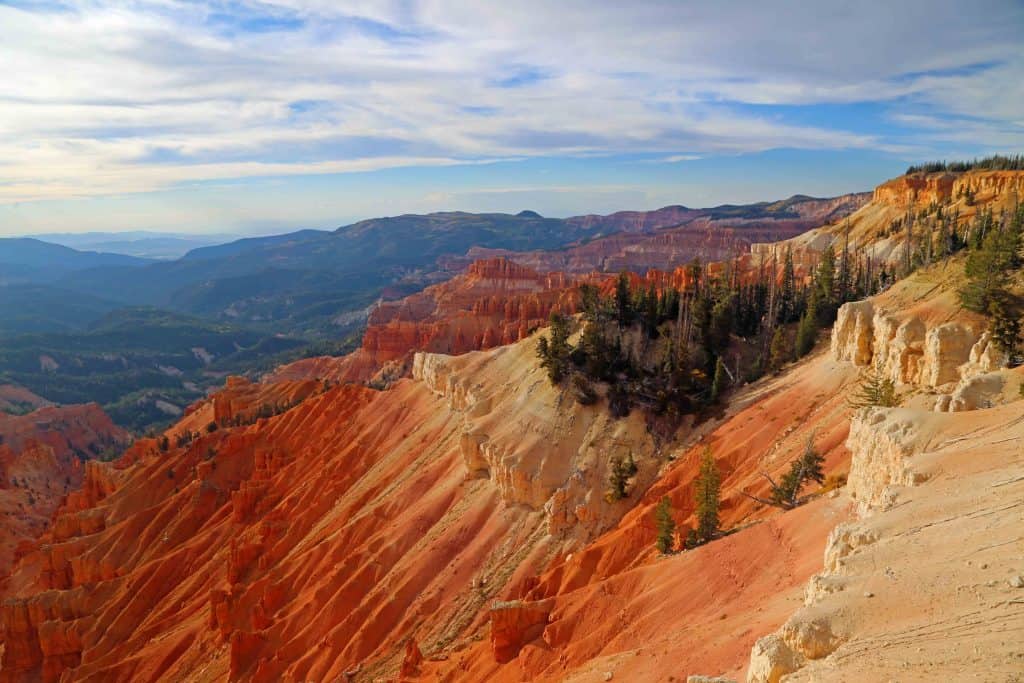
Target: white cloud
(106, 97)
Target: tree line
(674, 351)
(996, 162)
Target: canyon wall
(317, 541)
(41, 460)
(953, 363)
(925, 582)
(921, 189)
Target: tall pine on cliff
(554, 350)
(666, 526)
(806, 468)
(706, 496)
(995, 253)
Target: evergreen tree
(807, 330)
(779, 353)
(825, 286)
(845, 278)
(875, 390)
(599, 354)
(590, 299)
(721, 323)
(623, 305)
(785, 493)
(706, 496)
(787, 291)
(650, 312)
(619, 473)
(987, 266)
(1006, 330)
(666, 526)
(555, 349)
(806, 468)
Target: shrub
(621, 470)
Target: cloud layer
(106, 98)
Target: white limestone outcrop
(947, 357)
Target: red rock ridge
(319, 541)
(494, 303)
(41, 455)
(920, 189)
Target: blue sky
(256, 117)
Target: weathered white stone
(946, 348)
(772, 658)
(852, 333)
(811, 638)
(880, 439)
(975, 393)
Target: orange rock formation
(41, 455)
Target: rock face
(925, 188)
(873, 612)
(463, 509)
(41, 460)
(495, 302)
(882, 439)
(558, 467)
(515, 623)
(351, 503)
(955, 358)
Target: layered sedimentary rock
(457, 510)
(928, 188)
(315, 541)
(920, 348)
(495, 302)
(41, 460)
(901, 590)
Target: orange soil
(40, 461)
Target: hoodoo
(347, 342)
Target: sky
(260, 117)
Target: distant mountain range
(141, 243)
(305, 282)
(29, 260)
(79, 325)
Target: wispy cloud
(103, 97)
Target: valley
(440, 504)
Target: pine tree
(619, 474)
(1006, 330)
(987, 265)
(706, 497)
(590, 302)
(623, 305)
(785, 493)
(825, 286)
(806, 468)
(845, 278)
(807, 331)
(666, 526)
(787, 295)
(875, 390)
(779, 352)
(555, 349)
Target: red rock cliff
(41, 456)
